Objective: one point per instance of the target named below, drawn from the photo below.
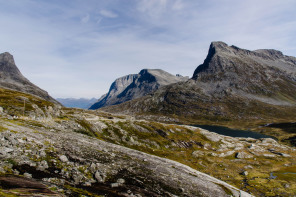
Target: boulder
(243, 155)
(63, 158)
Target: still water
(233, 132)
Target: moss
(80, 192)
(226, 190)
(13, 102)
(11, 161)
(6, 193)
(87, 129)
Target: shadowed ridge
(135, 86)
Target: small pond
(233, 132)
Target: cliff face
(266, 75)
(232, 83)
(12, 78)
(135, 86)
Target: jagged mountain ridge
(264, 75)
(135, 86)
(12, 78)
(232, 83)
(82, 103)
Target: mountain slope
(82, 103)
(82, 152)
(12, 78)
(66, 152)
(231, 84)
(135, 86)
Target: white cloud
(108, 14)
(85, 18)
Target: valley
(151, 135)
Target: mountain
(82, 103)
(231, 84)
(12, 78)
(135, 86)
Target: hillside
(72, 152)
(67, 152)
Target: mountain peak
(12, 78)
(8, 67)
(218, 45)
(222, 58)
(135, 86)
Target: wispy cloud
(71, 48)
(108, 14)
(85, 18)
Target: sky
(78, 48)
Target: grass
(13, 102)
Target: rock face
(82, 103)
(265, 75)
(98, 166)
(135, 86)
(229, 80)
(12, 78)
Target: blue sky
(78, 48)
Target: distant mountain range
(12, 78)
(232, 83)
(136, 85)
(82, 103)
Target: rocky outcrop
(63, 158)
(135, 86)
(12, 78)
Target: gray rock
(269, 141)
(27, 175)
(120, 181)
(93, 168)
(99, 177)
(42, 165)
(63, 158)
(248, 167)
(269, 155)
(4, 151)
(243, 155)
(77, 178)
(135, 86)
(114, 184)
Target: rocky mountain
(47, 150)
(82, 103)
(12, 78)
(231, 84)
(135, 86)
